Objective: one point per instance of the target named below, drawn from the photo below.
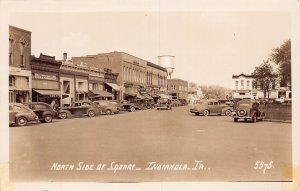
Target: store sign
(45, 77)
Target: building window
(12, 81)
(242, 83)
(173, 87)
(248, 84)
(66, 87)
(23, 44)
(236, 84)
(11, 42)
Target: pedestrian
(53, 104)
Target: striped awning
(147, 96)
(114, 86)
(48, 92)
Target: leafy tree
(215, 92)
(265, 78)
(282, 57)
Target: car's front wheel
(206, 112)
(91, 113)
(63, 115)
(108, 112)
(235, 119)
(132, 109)
(21, 121)
(228, 112)
(48, 118)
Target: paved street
(229, 151)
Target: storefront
(19, 85)
(82, 87)
(67, 82)
(45, 79)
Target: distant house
(194, 93)
(244, 87)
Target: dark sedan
(43, 110)
(85, 108)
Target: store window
(12, 81)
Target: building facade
(135, 74)
(194, 94)
(79, 81)
(19, 65)
(244, 87)
(177, 88)
(45, 79)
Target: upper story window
(23, 45)
(173, 87)
(11, 50)
(242, 83)
(236, 84)
(248, 84)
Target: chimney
(65, 56)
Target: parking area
(228, 151)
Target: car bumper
(194, 111)
(234, 115)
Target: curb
(280, 121)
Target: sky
(209, 47)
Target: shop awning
(164, 96)
(147, 96)
(114, 86)
(48, 92)
(100, 93)
(131, 93)
(139, 96)
(155, 95)
(81, 92)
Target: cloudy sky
(208, 46)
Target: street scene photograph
(150, 96)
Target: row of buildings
(115, 75)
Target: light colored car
(211, 107)
(20, 114)
(107, 107)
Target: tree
(265, 78)
(282, 57)
(214, 92)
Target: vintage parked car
(137, 104)
(44, 111)
(20, 114)
(211, 107)
(175, 103)
(107, 107)
(164, 104)
(85, 108)
(248, 109)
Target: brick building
(19, 65)
(136, 76)
(45, 78)
(177, 88)
(80, 81)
